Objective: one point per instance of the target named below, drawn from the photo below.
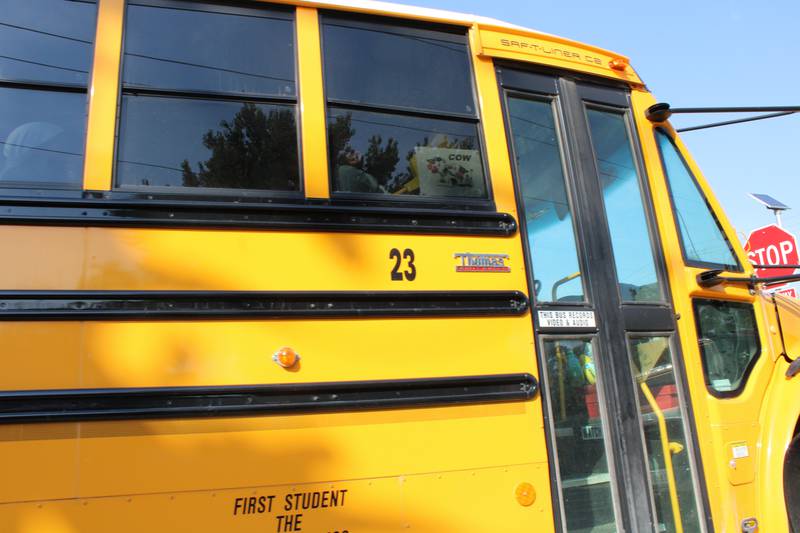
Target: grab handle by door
(666, 450)
(562, 281)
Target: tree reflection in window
(367, 157)
(254, 150)
(236, 129)
(402, 118)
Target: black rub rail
(253, 215)
(199, 305)
(257, 400)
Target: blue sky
(699, 53)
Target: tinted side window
(46, 41)
(397, 66)
(402, 119)
(197, 48)
(702, 238)
(42, 137)
(209, 98)
(45, 60)
(729, 343)
(190, 142)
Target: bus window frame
(215, 194)
(686, 261)
(413, 28)
(34, 85)
(733, 393)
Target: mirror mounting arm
(712, 278)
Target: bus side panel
(437, 502)
(208, 259)
(167, 475)
(162, 455)
(780, 415)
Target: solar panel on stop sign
(769, 201)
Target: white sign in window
(567, 319)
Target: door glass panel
(580, 445)
(622, 196)
(664, 430)
(544, 194)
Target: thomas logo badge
(469, 262)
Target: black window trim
(400, 110)
(44, 86)
(136, 90)
(59, 87)
(690, 262)
(753, 360)
(452, 33)
(257, 10)
(418, 28)
(234, 7)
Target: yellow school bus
(358, 267)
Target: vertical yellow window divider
(492, 122)
(312, 104)
(103, 95)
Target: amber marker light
(286, 357)
(525, 494)
(618, 64)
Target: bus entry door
(619, 431)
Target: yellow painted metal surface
(740, 459)
(723, 423)
(103, 96)
(175, 259)
(312, 104)
(781, 410)
(429, 469)
(140, 354)
(446, 501)
(554, 52)
(495, 137)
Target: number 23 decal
(410, 273)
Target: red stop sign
(772, 245)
